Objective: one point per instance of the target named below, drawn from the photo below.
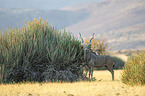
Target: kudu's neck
(86, 55)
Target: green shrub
(39, 52)
(134, 70)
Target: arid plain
(103, 86)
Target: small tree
(99, 46)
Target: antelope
(93, 60)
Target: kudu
(93, 60)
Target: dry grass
(103, 86)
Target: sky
(41, 4)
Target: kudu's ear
(82, 40)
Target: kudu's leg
(111, 70)
(91, 73)
(86, 70)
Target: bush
(38, 52)
(99, 46)
(134, 70)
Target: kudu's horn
(82, 40)
(91, 39)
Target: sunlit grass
(103, 86)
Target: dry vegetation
(103, 86)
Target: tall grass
(38, 52)
(134, 70)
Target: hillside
(59, 18)
(121, 23)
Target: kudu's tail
(114, 64)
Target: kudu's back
(101, 60)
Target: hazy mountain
(120, 22)
(59, 18)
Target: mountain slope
(120, 22)
(59, 18)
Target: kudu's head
(86, 47)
